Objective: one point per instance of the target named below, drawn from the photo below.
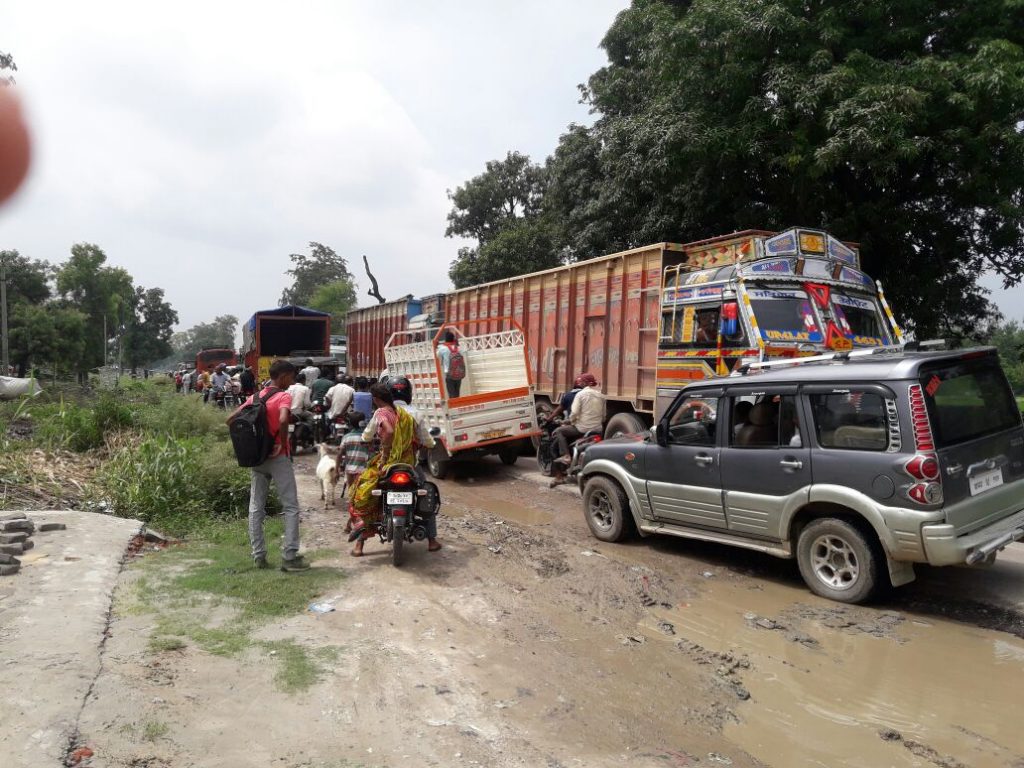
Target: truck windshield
(785, 315)
(969, 399)
(860, 320)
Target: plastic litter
(321, 607)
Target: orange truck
(648, 320)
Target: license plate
(986, 481)
(399, 497)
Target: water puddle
(835, 685)
(461, 500)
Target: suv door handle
(704, 460)
(792, 464)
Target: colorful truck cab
(757, 295)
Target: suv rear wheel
(837, 561)
(607, 509)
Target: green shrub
(182, 416)
(178, 485)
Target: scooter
(407, 500)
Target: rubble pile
(16, 539)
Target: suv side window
(693, 422)
(765, 421)
(851, 420)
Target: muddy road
(526, 642)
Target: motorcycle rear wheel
(544, 462)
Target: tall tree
(337, 298)
(217, 334)
(893, 122)
(502, 210)
(148, 337)
(104, 294)
(320, 267)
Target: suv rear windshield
(969, 399)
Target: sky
(199, 144)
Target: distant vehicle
(856, 464)
(285, 332)
(209, 359)
(339, 348)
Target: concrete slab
(53, 615)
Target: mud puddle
(461, 500)
(836, 685)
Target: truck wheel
(607, 509)
(838, 561)
(438, 462)
(624, 424)
(509, 456)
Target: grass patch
(207, 593)
(152, 730)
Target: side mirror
(660, 433)
(435, 431)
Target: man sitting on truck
(587, 415)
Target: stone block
(9, 559)
(13, 516)
(51, 527)
(13, 538)
(12, 549)
(7, 526)
(9, 570)
(27, 545)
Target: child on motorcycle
(354, 456)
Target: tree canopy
(216, 334)
(895, 123)
(337, 298)
(322, 266)
(502, 210)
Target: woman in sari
(395, 429)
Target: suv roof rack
(834, 357)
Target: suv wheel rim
(601, 511)
(834, 562)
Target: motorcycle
(547, 449)
(300, 433)
(407, 500)
(322, 431)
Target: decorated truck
(648, 320)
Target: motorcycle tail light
(400, 478)
(398, 512)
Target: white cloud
(201, 143)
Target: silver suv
(857, 466)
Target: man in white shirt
(311, 372)
(340, 398)
(587, 414)
(302, 403)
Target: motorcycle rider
(311, 372)
(302, 405)
(401, 391)
(565, 404)
(586, 414)
(339, 399)
(219, 382)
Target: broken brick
(14, 516)
(13, 538)
(12, 549)
(17, 525)
(27, 545)
(9, 559)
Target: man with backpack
(259, 433)
(453, 364)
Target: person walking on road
(277, 467)
(453, 364)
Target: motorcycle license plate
(399, 497)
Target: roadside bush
(178, 485)
(182, 417)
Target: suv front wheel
(837, 561)
(607, 509)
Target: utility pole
(5, 352)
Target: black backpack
(250, 431)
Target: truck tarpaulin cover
(11, 388)
(280, 334)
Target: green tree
(51, 334)
(337, 298)
(7, 63)
(320, 267)
(502, 209)
(148, 337)
(105, 295)
(217, 334)
(892, 122)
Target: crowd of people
(376, 425)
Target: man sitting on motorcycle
(586, 415)
(302, 405)
(565, 404)
(219, 383)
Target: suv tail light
(924, 467)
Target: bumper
(943, 547)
